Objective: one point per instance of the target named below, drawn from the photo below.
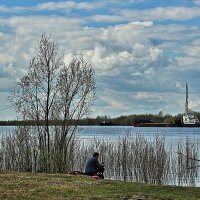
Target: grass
(62, 186)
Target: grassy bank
(62, 186)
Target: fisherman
(93, 167)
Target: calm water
(171, 134)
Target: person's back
(93, 166)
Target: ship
(188, 118)
(107, 123)
(149, 123)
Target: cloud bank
(141, 62)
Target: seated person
(93, 167)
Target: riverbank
(62, 186)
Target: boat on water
(189, 119)
(107, 123)
(149, 123)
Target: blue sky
(143, 51)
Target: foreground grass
(63, 186)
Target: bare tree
(52, 90)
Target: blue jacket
(92, 166)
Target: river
(172, 134)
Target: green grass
(62, 186)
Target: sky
(143, 51)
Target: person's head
(96, 155)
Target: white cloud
(112, 50)
(192, 50)
(103, 60)
(6, 112)
(194, 104)
(52, 6)
(10, 69)
(161, 13)
(125, 1)
(190, 56)
(15, 9)
(5, 57)
(134, 62)
(197, 2)
(150, 96)
(113, 102)
(67, 5)
(3, 9)
(30, 25)
(144, 23)
(106, 18)
(187, 62)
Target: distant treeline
(124, 120)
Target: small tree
(52, 90)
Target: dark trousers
(98, 172)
